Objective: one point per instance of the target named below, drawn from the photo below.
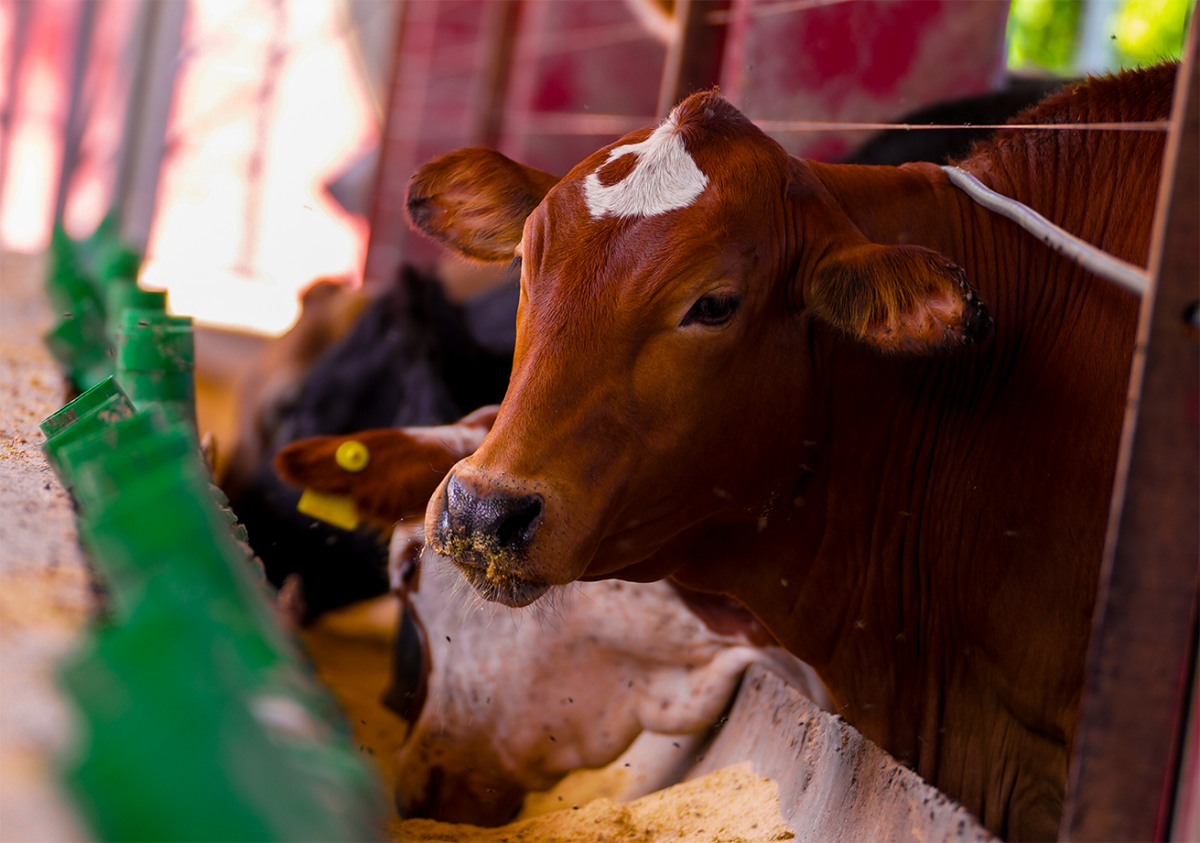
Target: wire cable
(1129, 276)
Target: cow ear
(899, 299)
(389, 473)
(475, 201)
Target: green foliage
(1149, 31)
(1045, 33)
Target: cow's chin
(510, 590)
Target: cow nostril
(495, 517)
(458, 496)
(522, 518)
(420, 209)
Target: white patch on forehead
(664, 178)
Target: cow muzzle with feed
(664, 283)
(500, 702)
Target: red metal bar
(549, 123)
(589, 39)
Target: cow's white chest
(665, 178)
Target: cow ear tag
(337, 510)
(332, 509)
(352, 455)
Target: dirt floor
(45, 589)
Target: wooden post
(76, 115)
(148, 135)
(415, 32)
(1185, 824)
(1142, 661)
(693, 60)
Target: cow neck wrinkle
(821, 564)
(1000, 396)
(881, 681)
(781, 554)
(797, 548)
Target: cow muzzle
(486, 533)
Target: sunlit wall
(268, 108)
(270, 104)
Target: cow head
(668, 287)
(381, 476)
(501, 703)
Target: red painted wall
(549, 82)
(865, 61)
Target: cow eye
(712, 310)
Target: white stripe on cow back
(665, 178)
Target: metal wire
(838, 126)
(1091, 258)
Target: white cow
(503, 702)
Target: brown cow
(698, 392)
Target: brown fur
(449, 209)
(902, 299)
(404, 466)
(925, 529)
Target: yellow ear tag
(333, 509)
(352, 455)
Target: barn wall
(548, 82)
(867, 61)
